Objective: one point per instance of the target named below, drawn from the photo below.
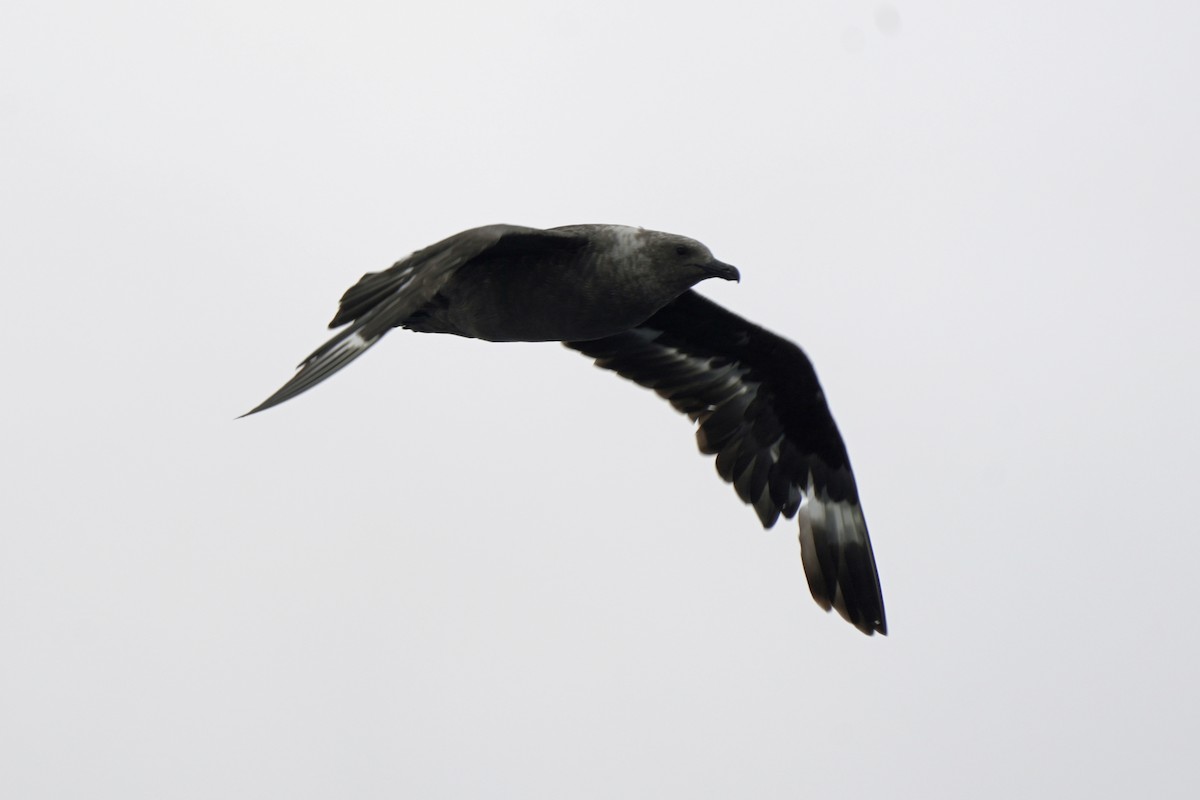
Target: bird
(624, 297)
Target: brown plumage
(623, 296)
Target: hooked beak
(719, 269)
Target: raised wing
(382, 300)
(761, 411)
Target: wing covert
(761, 411)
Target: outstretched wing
(382, 300)
(762, 413)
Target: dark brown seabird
(623, 296)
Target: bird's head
(691, 259)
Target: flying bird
(623, 296)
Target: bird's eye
(681, 250)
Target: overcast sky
(463, 569)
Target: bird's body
(596, 287)
(623, 296)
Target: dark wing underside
(382, 300)
(762, 413)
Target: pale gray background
(473, 570)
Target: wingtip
(838, 563)
(263, 406)
(872, 627)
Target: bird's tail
(371, 290)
